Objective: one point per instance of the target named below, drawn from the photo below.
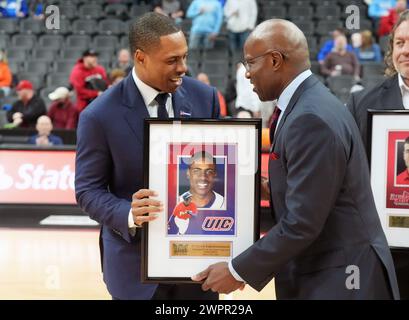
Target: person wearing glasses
(202, 175)
(327, 242)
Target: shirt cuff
(234, 273)
(131, 223)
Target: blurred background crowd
(51, 75)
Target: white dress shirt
(282, 103)
(148, 95)
(404, 89)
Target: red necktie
(273, 122)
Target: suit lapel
(181, 106)
(310, 81)
(136, 110)
(391, 95)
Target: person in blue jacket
(329, 45)
(44, 137)
(207, 19)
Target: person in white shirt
(241, 17)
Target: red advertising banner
(37, 177)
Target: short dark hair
(146, 31)
(200, 155)
(407, 140)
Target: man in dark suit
(328, 242)
(391, 94)
(109, 163)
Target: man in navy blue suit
(109, 168)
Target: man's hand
(42, 141)
(142, 204)
(218, 278)
(265, 189)
(17, 115)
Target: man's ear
(276, 59)
(139, 56)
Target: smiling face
(202, 174)
(400, 56)
(162, 67)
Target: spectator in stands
(378, 9)
(13, 8)
(207, 16)
(203, 77)
(390, 94)
(116, 75)
(5, 75)
(124, 61)
(44, 137)
(172, 8)
(88, 78)
(246, 98)
(356, 40)
(37, 8)
(62, 112)
(329, 45)
(340, 61)
(387, 22)
(368, 51)
(241, 16)
(25, 111)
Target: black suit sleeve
(358, 110)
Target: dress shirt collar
(288, 92)
(404, 89)
(148, 93)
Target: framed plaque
(388, 150)
(207, 174)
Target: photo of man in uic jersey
(202, 174)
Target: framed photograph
(207, 173)
(388, 149)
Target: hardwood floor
(63, 264)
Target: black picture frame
(198, 123)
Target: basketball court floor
(63, 263)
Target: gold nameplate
(398, 222)
(200, 249)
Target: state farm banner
(37, 177)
